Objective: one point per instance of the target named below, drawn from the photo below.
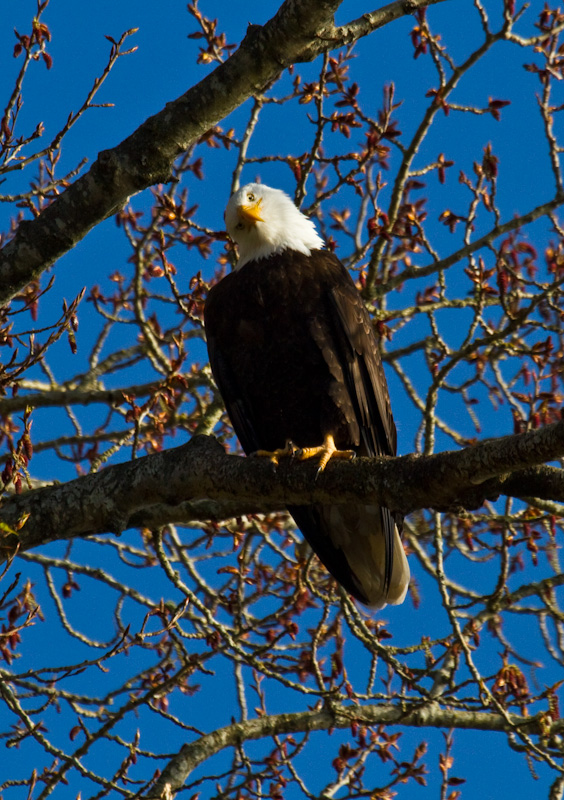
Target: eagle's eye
(239, 226)
(251, 198)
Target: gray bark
(191, 755)
(197, 478)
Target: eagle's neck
(268, 249)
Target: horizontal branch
(127, 495)
(300, 31)
(50, 398)
(191, 755)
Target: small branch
(472, 247)
(372, 20)
(66, 397)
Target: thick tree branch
(300, 31)
(129, 495)
(191, 755)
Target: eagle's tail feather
(361, 547)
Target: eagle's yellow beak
(251, 213)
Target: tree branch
(300, 31)
(149, 490)
(372, 20)
(192, 755)
(472, 247)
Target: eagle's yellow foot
(288, 451)
(327, 451)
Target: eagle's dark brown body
(294, 356)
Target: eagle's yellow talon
(327, 451)
(288, 451)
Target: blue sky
(161, 69)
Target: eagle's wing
(362, 368)
(230, 387)
(374, 568)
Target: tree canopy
(164, 626)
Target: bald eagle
(294, 356)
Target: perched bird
(295, 358)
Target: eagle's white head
(264, 221)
